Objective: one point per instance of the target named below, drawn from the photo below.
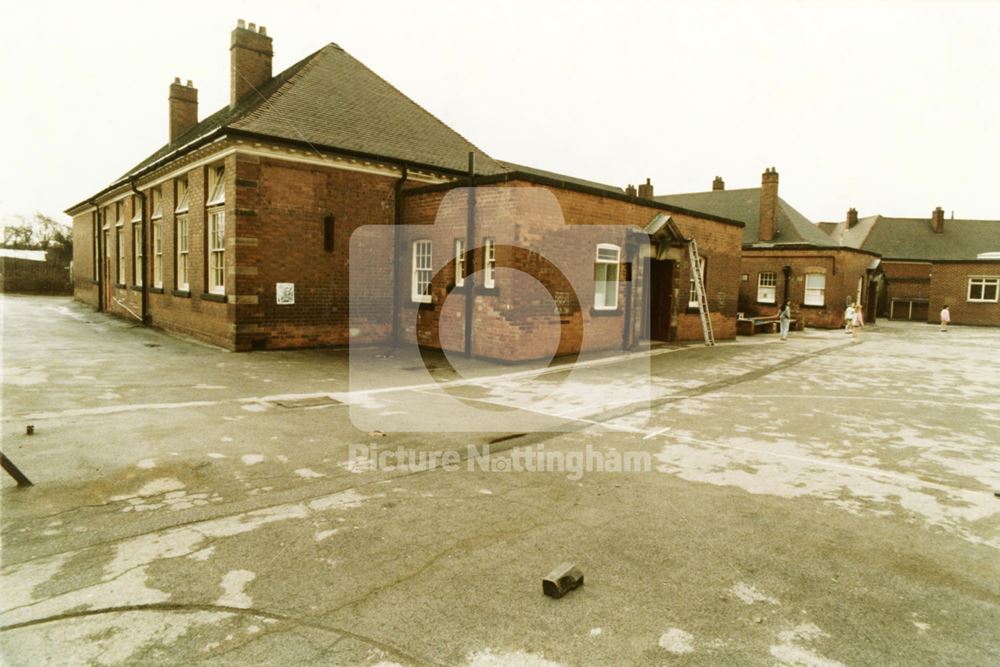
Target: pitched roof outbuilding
(914, 238)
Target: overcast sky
(890, 107)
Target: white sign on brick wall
(286, 294)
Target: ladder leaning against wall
(699, 288)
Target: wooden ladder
(699, 288)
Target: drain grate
(311, 402)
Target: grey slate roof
(744, 205)
(332, 100)
(513, 167)
(914, 239)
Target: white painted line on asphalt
(656, 433)
(876, 399)
(113, 409)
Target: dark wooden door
(661, 289)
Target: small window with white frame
(983, 289)
(217, 252)
(120, 260)
(157, 255)
(181, 195)
(420, 291)
(489, 263)
(216, 185)
(767, 283)
(692, 290)
(815, 294)
(136, 208)
(137, 244)
(156, 197)
(459, 262)
(606, 269)
(181, 224)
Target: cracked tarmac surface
(815, 502)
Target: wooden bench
(748, 326)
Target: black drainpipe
(100, 256)
(397, 255)
(470, 240)
(787, 270)
(145, 255)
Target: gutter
(396, 222)
(145, 254)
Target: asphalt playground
(817, 502)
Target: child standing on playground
(784, 318)
(857, 322)
(945, 318)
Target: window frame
(215, 249)
(182, 243)
(120, 259)
(216, 190)
(418, 270)
(983, 282)
(489, 263)
(607, 284)
(181, 194)
(459, 247)
(702, 267)
(773, 286)
(157, 255)
(807, 289)
(137, 251)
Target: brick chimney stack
(852, 217)
(250, 60)
(630, 190)
(646, 190)
(718, 184)
(183, 107)
(937, 220)
(769, 204)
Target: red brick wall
(842, 268)
(949, 285)
(280, 238)
(907, 280)
(518, 320)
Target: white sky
(890, 107)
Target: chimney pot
(937, 220)
(250, 57)
(183, 114)
(630, 190)
(262, 30)
(252, 27)
(646, 190)
(240, 23)
(768, 222)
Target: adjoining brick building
(929, 263)
(238, 230)
(786, 256)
